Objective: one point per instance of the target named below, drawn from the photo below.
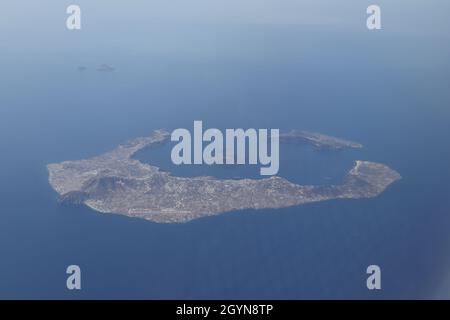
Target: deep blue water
(298, 162)
(386, 93)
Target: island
(318, 140)
(114, 182)
(105, 68)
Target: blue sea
(386, 91)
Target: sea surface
(386, 91)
